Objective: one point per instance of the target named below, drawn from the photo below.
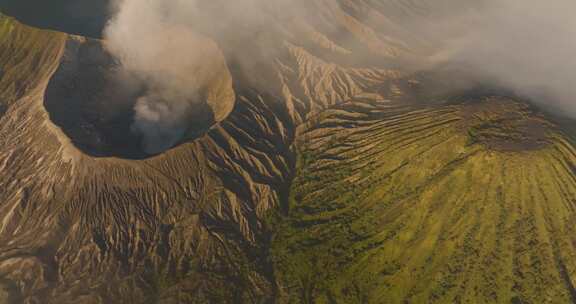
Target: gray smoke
(526, 46)
(165, 45)
(156, 43)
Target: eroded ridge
(326, 181)
(431, 204)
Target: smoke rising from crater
(155, 42)
(525, 46)
(170, 48)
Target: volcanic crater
(92, 99)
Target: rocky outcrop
(322, 177)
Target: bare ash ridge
(193, 224)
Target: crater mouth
(93, 101)
(504, 124)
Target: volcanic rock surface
(326, 177)
(91, 97)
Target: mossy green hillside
(430, 206)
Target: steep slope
(28, 55)
(92, 99)
(469, 203)
(81, 17)
(82, 229)
(331, 180)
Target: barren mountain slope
(330, 181)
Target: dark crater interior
(92, 100)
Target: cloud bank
(526, 46)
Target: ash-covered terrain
(318, 151)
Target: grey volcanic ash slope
(291, 195)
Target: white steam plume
(156, 43)
(526, 46)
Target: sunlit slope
(457, 204)
(84, 17)
(378, 199)
(79, 229)
(27, 56)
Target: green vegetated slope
(389, 202)
(469, 203)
